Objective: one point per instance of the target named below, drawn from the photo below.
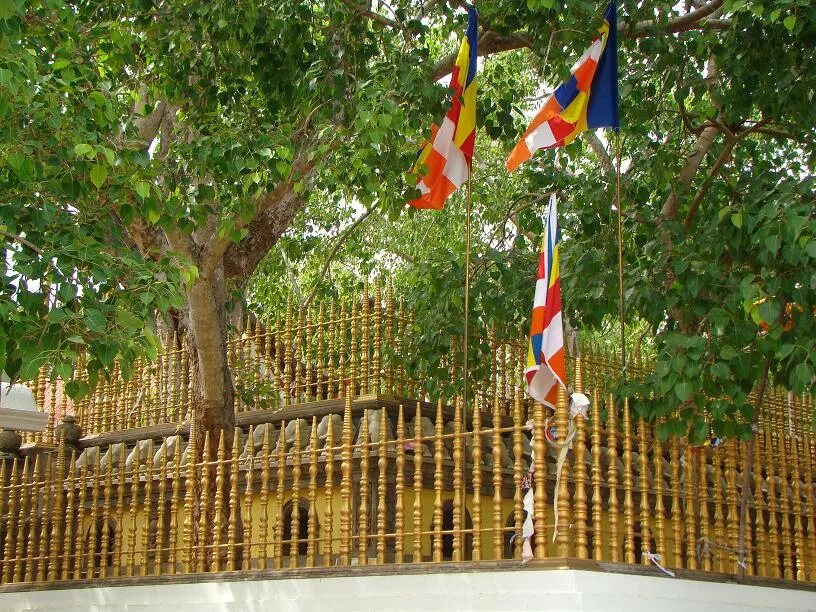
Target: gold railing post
(389, 340)
(419, 451)
(496, 443)
(399, 506)
(328, 497)
(363, 510)
(345, 483)
(540, 481)
(476, 499)
(311, 530)
(234, 501)
(597, 477)
(563, 538)
(382, 468)
(643, 486)
(246, 515)
(294, 525)
(579, 470)
(437, 508)
(458, 482)
(612, 478)
(118, 548)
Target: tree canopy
(184, 157)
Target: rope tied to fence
(706, 546)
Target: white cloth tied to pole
(656, 560)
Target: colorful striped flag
(444, 161)
(545, 356)
(588, 100)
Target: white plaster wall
(545, 590)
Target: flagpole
(620, 249)
(467, 290)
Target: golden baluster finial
(311, 546)
(419, 451)
(676, 508)
(437, 508)
(643, 486)
(773, 508)
(246, 513)
(78, 543)
(57, 517)
(382, 468)
(288, 354)
(718, 498)
(299, 386)
(613, 478)
(70, 516)
(354, 349)
(579, 471)
(280, 485)
(518, 473)
(161, 510)
(399, 486)
(234, 501)
(799, 539)
(376, 364)
(363, 522)
(540, 480)
(497, 481)
(147, 509)
(660, 508)
(328, 497)
(731, 499)
(322, 359)
(345, 482)
(93, 533)
(5, 496)
(689, 511)
(399, 347)
(597, 477)
(175, 497)
(118, 549)
(628, 487)
(563, 537)
(780, 436)
(44, 540)
(203, 523)
(263, 554)
(365, 340)
(761, 534)
(334, 389)
(190, 478)
(294, 525)
(30, 521)
(458, 481)
(389, 340)
(476, 477)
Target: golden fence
(368, 480)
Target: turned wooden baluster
(382, 468)
(345, 483)
(419, 451)
(399, 505)
(362, 512)
(311, 545)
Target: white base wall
(545, 590)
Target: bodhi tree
(153, 153)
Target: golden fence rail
(412, 483)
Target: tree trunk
(211, 385)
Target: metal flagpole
(620, 250)
(467, 292)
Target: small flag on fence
(444, 161)
(588, 100)
(545, 357)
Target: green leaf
(84, 149)
(143, 189)
(99, 174)
(128, 319)
(684, 390)
(736, 219)
(790, 22)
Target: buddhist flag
(588, 100)
(444, 161)
(545, 356)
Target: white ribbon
(656, 559)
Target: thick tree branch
(686, 175)
(600, 150)
(690, 21)
(367, 12)
(340, 240)
(724, 156)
